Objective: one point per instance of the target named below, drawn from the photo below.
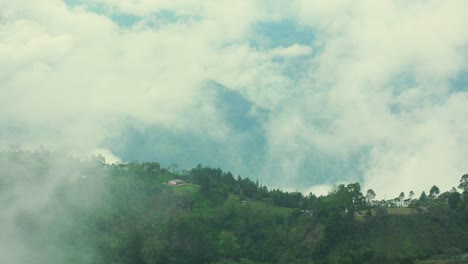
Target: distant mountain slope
(240, 113)
(242, 152)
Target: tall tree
(173, 168)
(401, 197)
(354, 190)
(463, 183)
(434, 191)
(454, 199)
(423, 197)
(370, 195)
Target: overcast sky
(378, 87)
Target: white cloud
(109, 157)
(292, 51)
(378, 79)
(368, 48)
(322, 189)
(79, 70)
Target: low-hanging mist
(49, 204)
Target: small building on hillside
(176, 182)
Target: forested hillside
(57, 209)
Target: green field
(185, 189)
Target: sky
(298, 94)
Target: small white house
(176, 182)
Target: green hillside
(89, 212)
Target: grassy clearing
(258, 206)
(401, 211)
(164, 178)
(360, 218)
(271, 209)
(185, 189)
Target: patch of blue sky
(397, 86)
(406, 81)
(395, 109)
(127, 20)
(73, 3)
(95, 7)
(166, 17)
(281, 33)
(460, 82)
(124, 20)
(285, 33)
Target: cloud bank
(48, 203)
(371, 92)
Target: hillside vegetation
(64, 210)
